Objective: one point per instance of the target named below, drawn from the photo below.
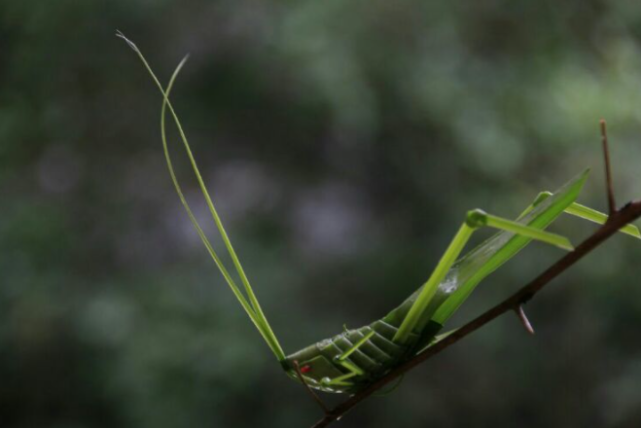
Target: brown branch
(618, 219)
(310, 391)
(608, 169)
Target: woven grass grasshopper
(354, 358)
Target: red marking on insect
(306, 369)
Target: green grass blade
(494, 252)
(530, 232)
(252, 307)
(595, 216)
(429, 288)
(357, 345)
(258, 322)
(221, 229)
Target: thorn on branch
(608, 170)
(520, 312)
(310, 390)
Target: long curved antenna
(252, 307)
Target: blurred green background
(343, 143)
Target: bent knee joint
(541, 197)
(476, 218)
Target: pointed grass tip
(131, 44)
(566, 245)
(631, 230)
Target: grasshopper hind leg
(475, 220)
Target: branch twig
(618, 219)
(608, 169)
(310, 391)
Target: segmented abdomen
(376, 355)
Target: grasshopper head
(316, 368)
